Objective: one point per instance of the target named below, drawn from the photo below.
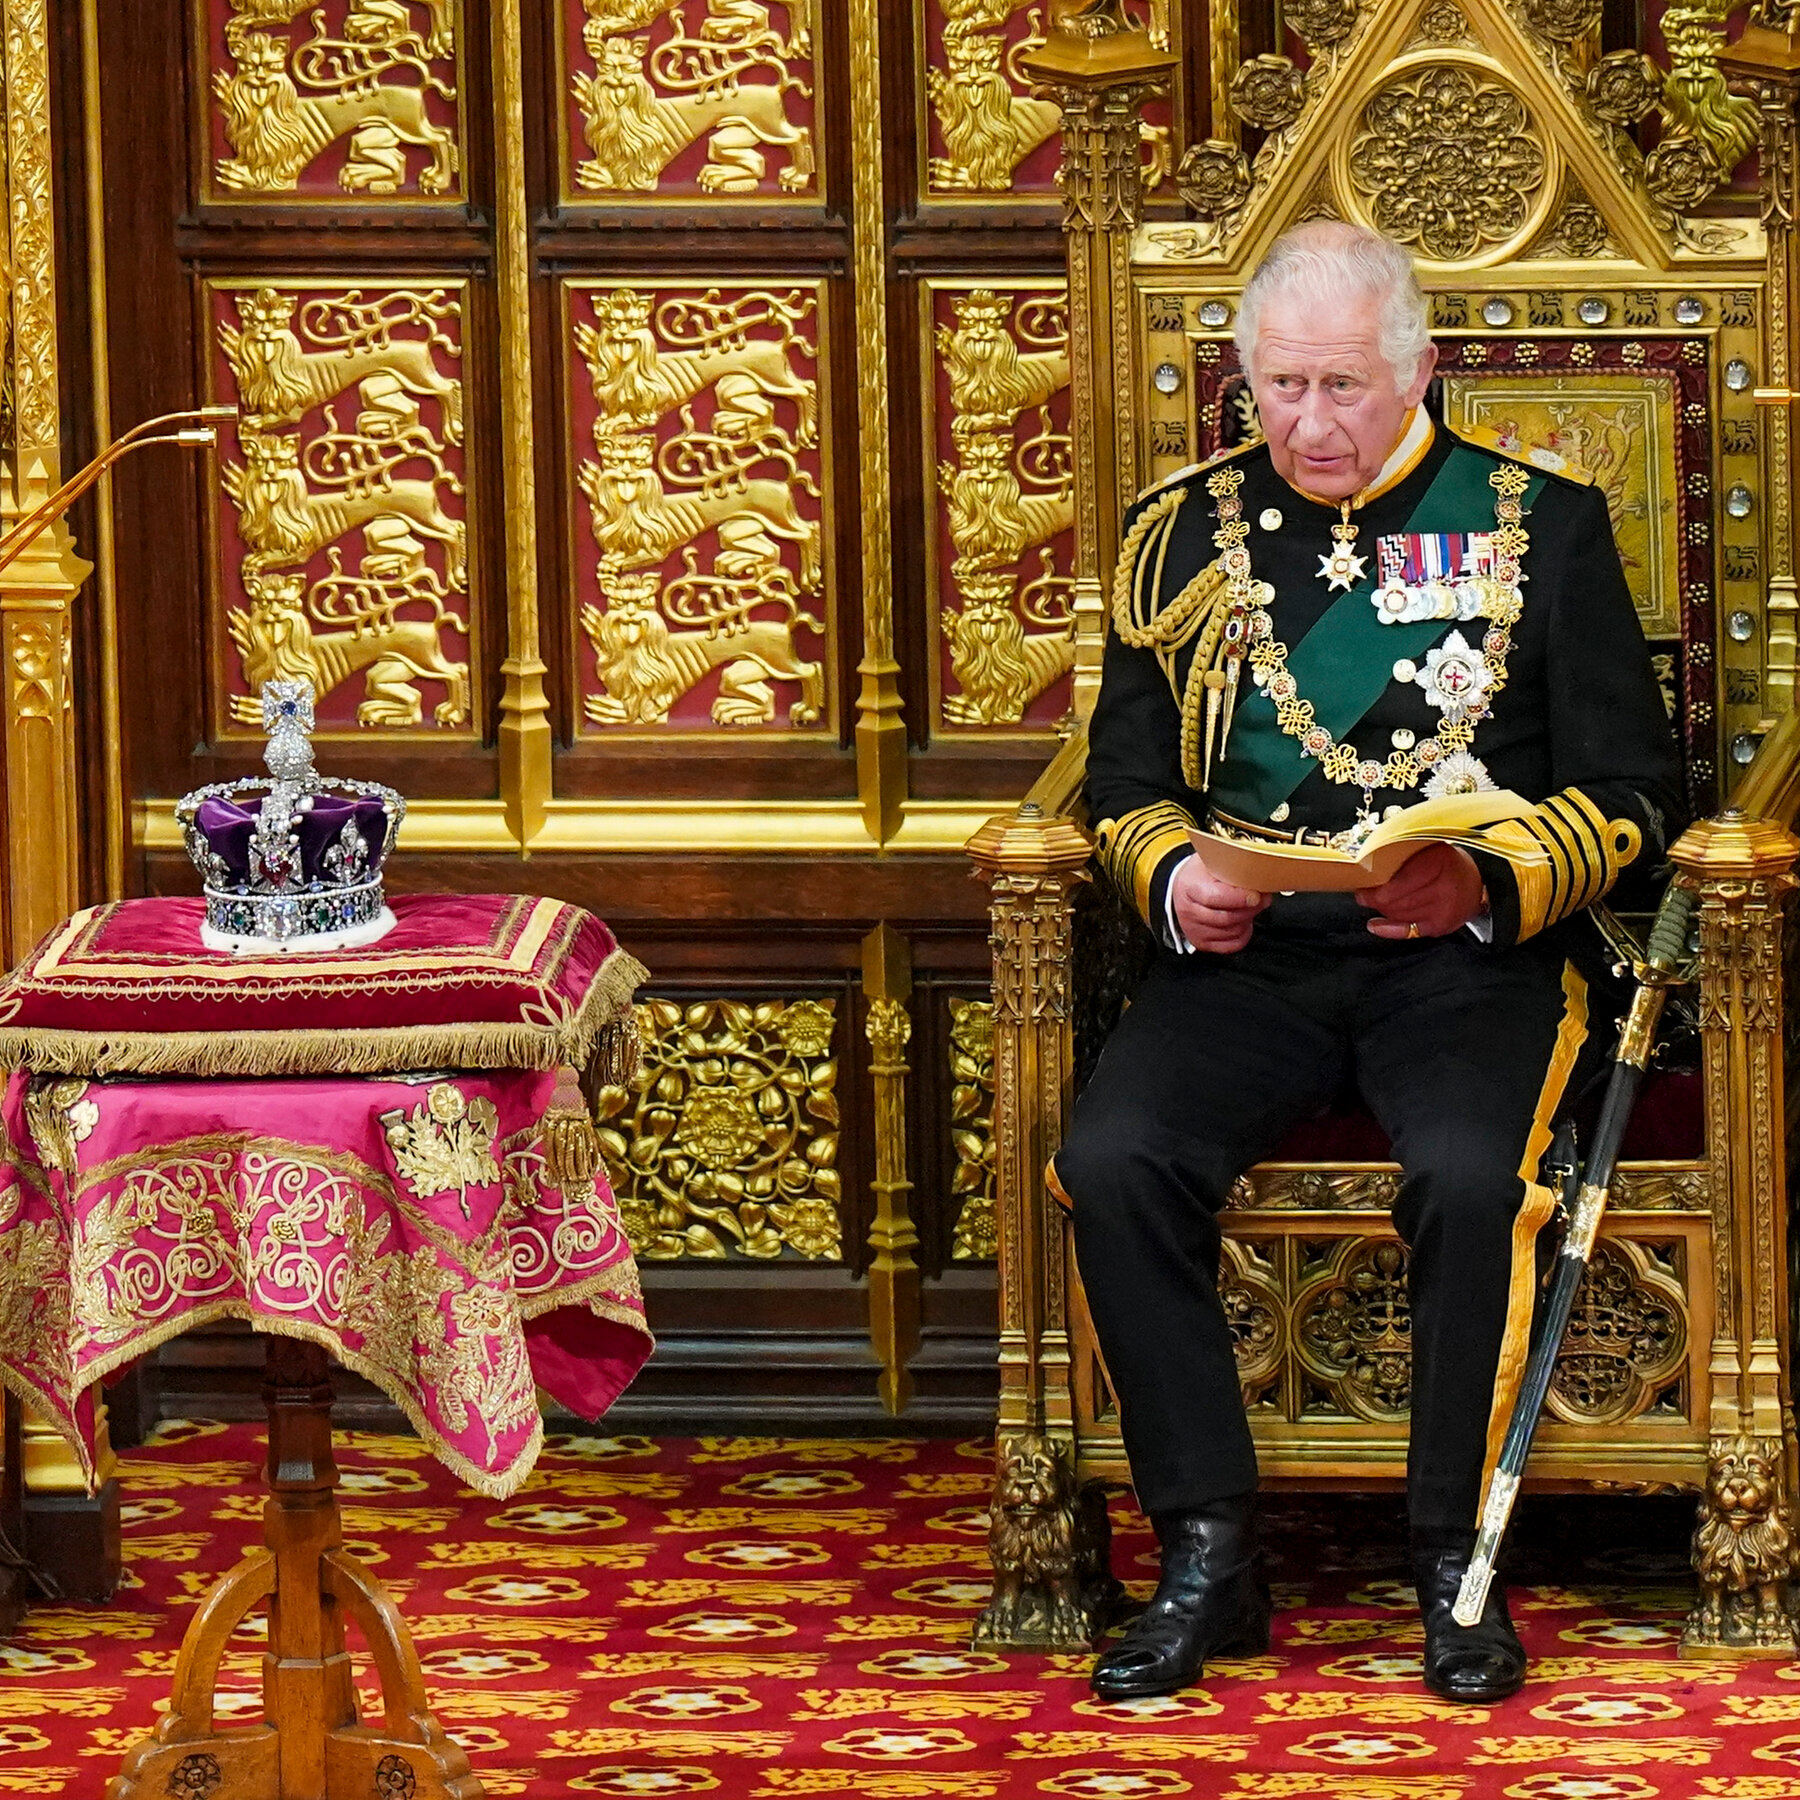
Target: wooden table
(310, 1745)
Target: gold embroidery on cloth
(60, 1119)
(448, 1142)
(189, 1237)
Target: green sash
(1346, 662)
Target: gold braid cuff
(1132, 848)
(1564, 857)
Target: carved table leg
(309, 1745)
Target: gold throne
(1622, 308)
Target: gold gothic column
(1100, 69)
(38, 591)
(1767, 63)
(1741, 864)
(893, 1270)
(75, 1536)
(525, 739)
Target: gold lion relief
(637, 381)
(990, 122)
(645, 667)
(283, 104)
(1007, 493)
(363, 477)
(644, 105)
(725, 493)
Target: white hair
(1321, 260)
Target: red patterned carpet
(769, 1618)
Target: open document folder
(1368, 858)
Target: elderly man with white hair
(1361, 609)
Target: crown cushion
(478, 981)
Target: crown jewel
(291, 860)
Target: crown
(291, 860)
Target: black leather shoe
(1476, 1663)
(1209, 1602)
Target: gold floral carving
(385, 474)
(1352, 1327)
(732, 81)
(446, 1142)
(1627, 1338)
(725, 1142)
(1268, 92)
(743, 474)
(286, 99)
(1447, 161)
(1623, 86)
(1214, 178)
(1442, 23)
(977, 1232)
(1321, 23)
(1250, 1292)
(31, 232)
(989, 120)
(1578, 230)
(1006, 501)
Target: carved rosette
(976, 1236)
(988, 132)
(317, 102)
(724, 1144)
(1004, 504)
(702, 571)
(671, 101)
(343, 524)
(1449, 162)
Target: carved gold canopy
(1618, 305)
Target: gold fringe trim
(603, 1023)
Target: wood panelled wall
(655, 449)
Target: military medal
(1343, 568)
(1441, 575)
(1459, 678)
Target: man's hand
(1436, 892)
(1213, 914)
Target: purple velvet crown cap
(227, 828)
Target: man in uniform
(1362, 610)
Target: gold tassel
(571, 1147)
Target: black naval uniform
(1462, 1049)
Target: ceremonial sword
(1662, 968)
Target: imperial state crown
(292, 860)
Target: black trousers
(1463, 1054)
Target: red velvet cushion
(1667, 1125)
(463, 981)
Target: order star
(1341, 569)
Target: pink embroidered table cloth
(415, 1227)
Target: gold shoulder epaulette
(1484, 437)
(1212, 462)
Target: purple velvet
(227, 827)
